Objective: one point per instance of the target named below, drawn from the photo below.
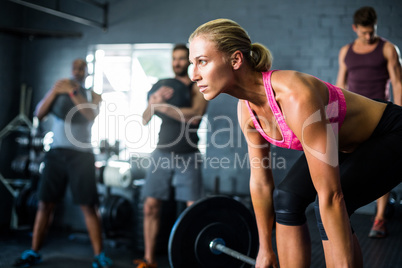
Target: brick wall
(302, 35)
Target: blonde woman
(345, 139)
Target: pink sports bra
(336, 111)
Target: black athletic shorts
(69, 167)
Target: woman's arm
(261, 186)
(303, 104)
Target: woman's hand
(266, 259)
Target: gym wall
(302, 35)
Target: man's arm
(158, 97)
(341, 80)
(89, 110)
(66, 86)
(63, 86)
(391, 53)
(191, 114)
(43, 107)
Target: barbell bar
(217, 246)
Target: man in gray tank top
(366, 67)
(70, 161)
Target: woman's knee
(320, 225)
(289, 208)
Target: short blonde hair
(229, 37)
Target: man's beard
(180, 71)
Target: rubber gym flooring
(62, 249)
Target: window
(124, 74)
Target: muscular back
(361, 119)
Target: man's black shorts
(67, 166)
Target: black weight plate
(208, 217)
(32, 207)
(21, 204)
(116, 213)
(233, 239)
(26, 205)
(104, 209)
(181, 96)
(121, 213)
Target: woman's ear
(237, 59)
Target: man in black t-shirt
(176, 160)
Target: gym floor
(63, 249)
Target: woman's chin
(209, 97)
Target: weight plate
(116, 212)
(207, 219)
(232, 239)
(121, 213)
(26, 205)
